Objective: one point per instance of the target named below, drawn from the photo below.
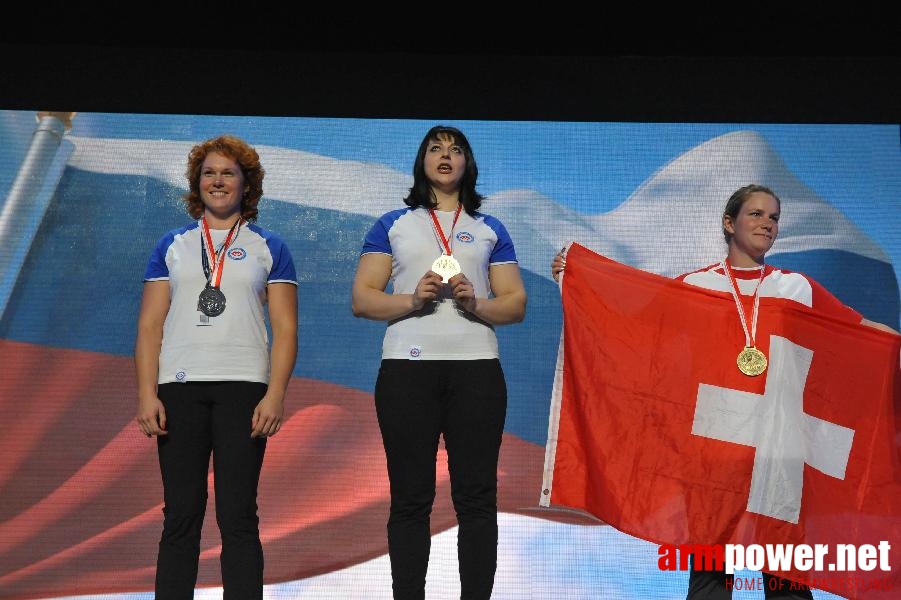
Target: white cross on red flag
(654, 430)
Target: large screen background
(80, 515)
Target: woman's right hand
(427, 289)
(151, 417)
(558, 264)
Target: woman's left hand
(267, 417)
(463, 292)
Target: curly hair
(421, 193)
(242, 153)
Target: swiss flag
(654, 430)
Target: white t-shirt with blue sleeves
(441, 330)
(233, 346)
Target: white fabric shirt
(441, 330)
(776, 283)
(233, 346)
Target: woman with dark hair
(750, 223)
(208, 380)
(455, 277)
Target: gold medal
(751, 361)
(446, 266)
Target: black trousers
(712, 585)
(206, 418)
(416, 403)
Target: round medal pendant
(446, 266)
(751, 361)
(211, 301)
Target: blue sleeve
(376, 240)
(283, 270)
(157, 269)
(503, 251)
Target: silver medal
(211, 301)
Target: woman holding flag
(750, 225)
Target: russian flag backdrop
(80, 492)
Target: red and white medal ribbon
(439, 232)
(216, 258)
(750, 336)
(445, 265)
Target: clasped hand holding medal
(445, 269)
